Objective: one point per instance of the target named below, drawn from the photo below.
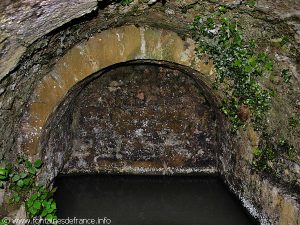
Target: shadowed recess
(136, 117)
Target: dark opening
(149, 200)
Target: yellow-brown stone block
(31, 145)
(113, 46)
(75, 65)
(289, 213)
(163, 45)
(188, 54)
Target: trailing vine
(238, 67)
(20, 182)
(265, 156)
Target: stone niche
(53, 80)
(136, 117)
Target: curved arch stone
(99, 51)
(112, 133)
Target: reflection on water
(143, 200)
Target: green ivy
(230, 108)
(286, 75)
(23, 180)
(285, 148)
(294, 122)
(126, 2)
(20, 182)
(4, 175)
(238, 67)
(251, 3)
(41, 203)
(266, 156)
(263, 158)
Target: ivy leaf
(53, 205)
(53, 190)
(225, 20)
(34, 197)
(248, 69)
(28, 164)
(27, 181)
(32, 170)
(15, 178)
(237, 63)
(38, 163)
(37, 205)
(251, 3)
(44, 213)
(44, 196)
(269, 65)
(16, 197)
(47, 205)
(20, 183)
(23, 175)
(33, 211)
(2, 178)
(222, 9)
(29, 203)
(3, 172)
(252, 60)
(50, 210)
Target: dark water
(141, 200)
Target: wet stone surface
(141, 116)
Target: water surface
(143, 200)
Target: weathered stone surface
(1, 196)
(10, 59)
(23, 22)
(142, 115)
(284, 10)
(19, 214)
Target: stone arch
(99, 51)
(58, 136)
